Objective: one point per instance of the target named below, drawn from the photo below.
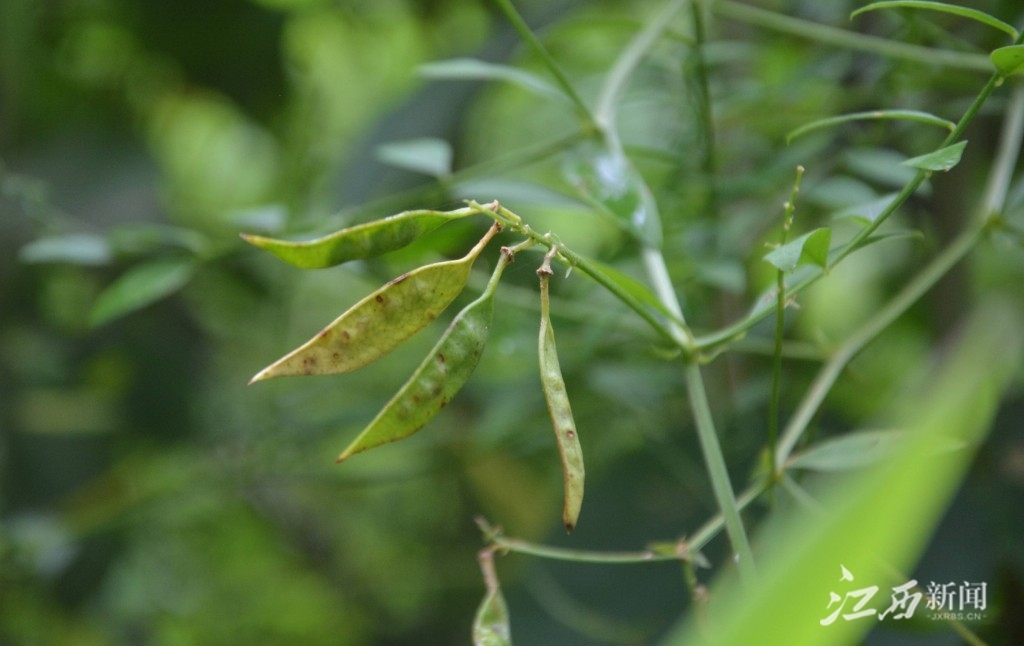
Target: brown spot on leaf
(440, 357)
(570, 434)
(380, 298)
(395, 281)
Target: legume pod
(439, 377)
(558, 406)
(357, 242)
(382, 321)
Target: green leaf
(471, 69)
(381, 322)
(608, 181)
(139, 287)
(641, 292)
(942, 159)
(491, 624)
(810, 248)
(869, 212)
(444, 371)
(1009, 60)
(357, 242)
(851, 451)
(963, 12)
(73, 248)
(429, 155)
(904, 115)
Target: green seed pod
(382, 321)
(357, 242)
(439, 377)
(558, 406)
(491, 625)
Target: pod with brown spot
(439, 377)
(357, 242)
(558, 406)
(382, 321)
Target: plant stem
(527, 35)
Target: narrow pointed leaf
(942, 159)
(633, 287)
(381, 322)
(868, 212)
(471, 69)
(1009, 60)
(141, 286)
(810, 248)
(357, 242)
(428, 155)
(850, 451)
(438, 378)
(963, 12)
(72, 248)
(904, 115)
(491, 625)
(562, 420)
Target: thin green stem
(849, 39)
(720, 483)
(527, 35)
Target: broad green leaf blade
(444, 371)
(875, 521)
(868, 212)
(809, 248)
(963, 12)
(851, 451)
(904, 115)
(139, 287)
(607, 180)
(357, 242)
(491, 624)
(381, 322)
(942, 159)
(471, 69)
(1009, 60)
(566, 435)
(74, 248)
(429, 155)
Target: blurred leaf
(906, 115)
(851, 451)
(942, 159)
(1009, 60)
(811, 247)
(140, 286)
(963, 12)
(471, 69)
(429, 155)
(138, 239)
(869, 212)
(74, 248)
(381, 322)
(361, 241)
(632, 286)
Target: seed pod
(439, 377)
(558, 405)
(361, 241)
(381, 322)
(491, 625)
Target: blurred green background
(148, 496)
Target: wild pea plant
(859, 523)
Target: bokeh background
(149, 496)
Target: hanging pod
(361, 241)
(382, 321)
(441, 374)
(558, 405)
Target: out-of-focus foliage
(148, 496)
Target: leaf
(73, 248)
(942, 159)
(566, 436)
(491, 624)
(607, 179)
(429, 155)
(381, 322)
(905, 115)
(851, 451)
(809, 248)
(963, 12)
(869, 212)
(1009, 60)
(446, 368)
(633, 287)
(139, 287)
(471, 69)
(361, 241)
